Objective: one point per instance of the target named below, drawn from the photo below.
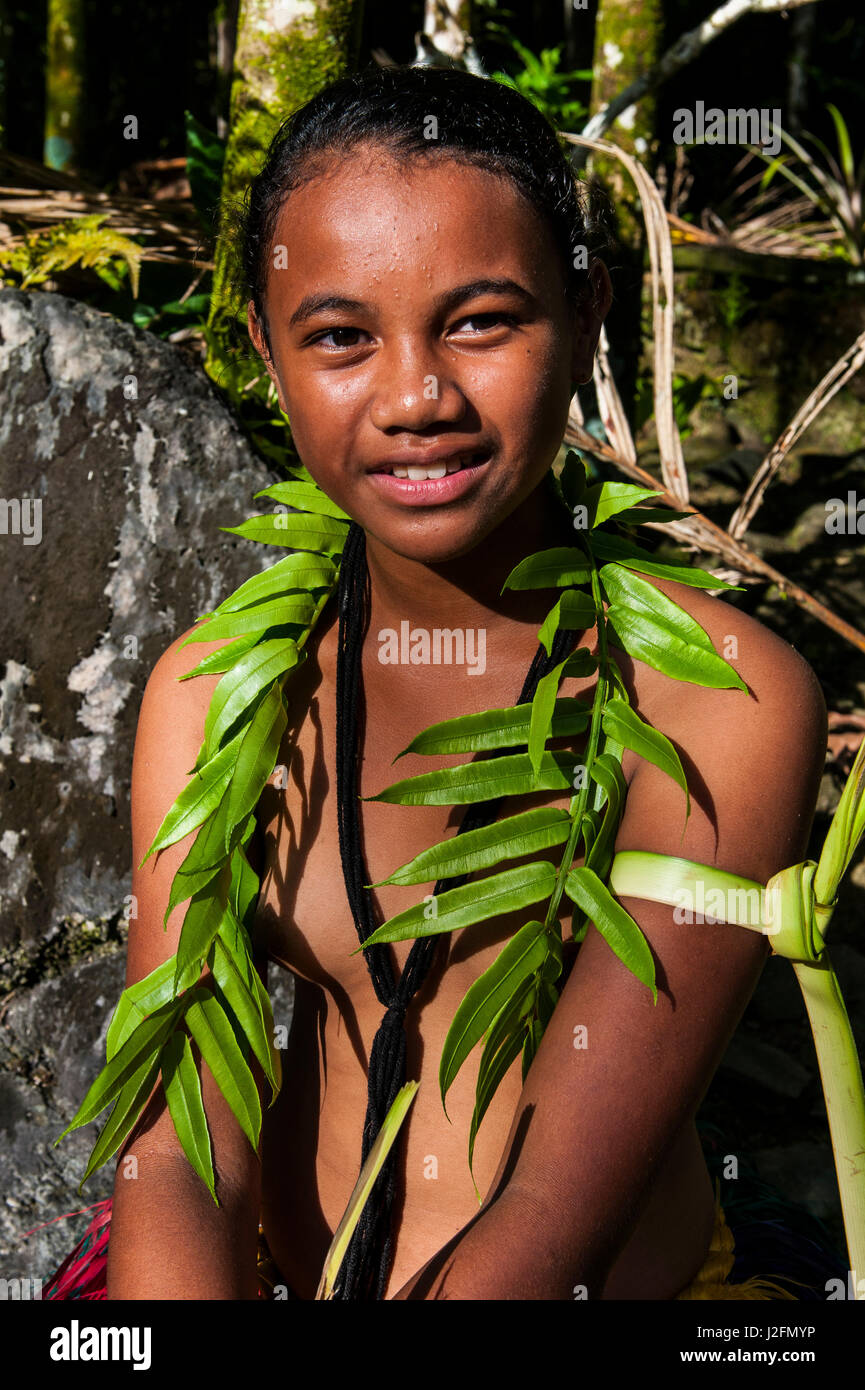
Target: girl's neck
(466, 592)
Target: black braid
(364, 1272)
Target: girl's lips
(429, 491)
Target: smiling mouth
(418, 473)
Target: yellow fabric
(711, 1280)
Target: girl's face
(417, 319)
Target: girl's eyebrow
(316, 303)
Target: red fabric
(82, 1273)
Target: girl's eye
(338, 336)
(337, 332)
(490, 320)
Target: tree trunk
(627, 41)
(448, 23)
(286, 51)
(628, 36)
(64, 83)
(5, 44)
(224, 38)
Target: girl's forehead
(377, 209)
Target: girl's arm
(594, 1125)
(168, 1238)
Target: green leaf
(618, 928)
(519, 959)
(203, 916)
(305, 497)
(205, 156)
(632, 556)
(245, 888)
(604, 500)
(590, 827)
(543, 704)
(206, 857)
(144, 998)
(638, 516)
(140, 1048)
(224, 658)
(232, 973)
(496, 1062)
(257, 752)
(199, 798)
(508, 891)
(845, 150)
(253, 673)
(211, 1030)
(372, 1166)
(574, 611)
(182, 1087)
(550, 569)
(303, 571)
(654, 629)
(623, 724)
(127, 1108)
(495, 728)
(487, 845)
(279, 612)
(294, 530)
(511, 775)
(572, 479)
(607, 772)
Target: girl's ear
(256, 333)
(259, 342)
(591, 311)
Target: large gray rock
(118, 465)
(126, 554)
(44, 1074)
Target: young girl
(410, 253)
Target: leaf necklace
(269, 619)
(368, 1258)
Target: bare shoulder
(167, 741)
(753, 760)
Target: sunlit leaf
(508, 891)
(182, 1087)
(487, 845)
(495, 728)
(623, 724)
(510, 775)
(550, 569)
(214, 1035)
(304, 571)
(306, 497)
(654, 629)
(294, 530)
(519, 959)
(609, 547)
(618, 928)
(139, 1048)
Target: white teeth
(418, 474)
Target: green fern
(80, 241)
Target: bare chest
(304, 918)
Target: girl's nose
(414, 394)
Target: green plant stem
(578, 805)
(841, 1076)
